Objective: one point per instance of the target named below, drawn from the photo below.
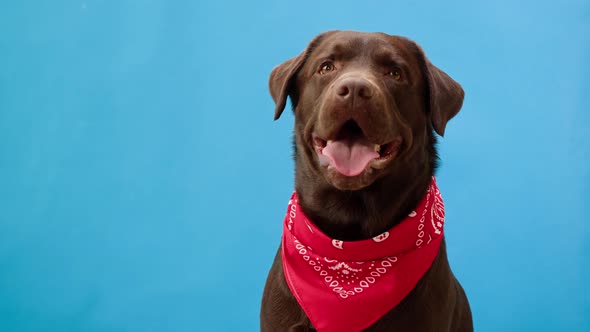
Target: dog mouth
(350, 152)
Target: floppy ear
(281, 77)
(445, 95)
(280, 81)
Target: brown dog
(367, 91)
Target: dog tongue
(350, 156)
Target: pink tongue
(350, 157)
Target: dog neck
(365, 213)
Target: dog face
(364, 103)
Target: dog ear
(281, 77)
(446, 97)
(444, 94)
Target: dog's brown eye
(396, 74)
(326, 67)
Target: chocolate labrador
(368, 108)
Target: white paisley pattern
(437, 215)
(347, 279)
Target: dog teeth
(377, 147)
(329, 141)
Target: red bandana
(348, 286)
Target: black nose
(351, 87)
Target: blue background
(143, 182)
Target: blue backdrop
(143, 182)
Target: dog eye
(326, 67)
(396, 74)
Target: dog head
(365, 104)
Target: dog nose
(354, 87)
